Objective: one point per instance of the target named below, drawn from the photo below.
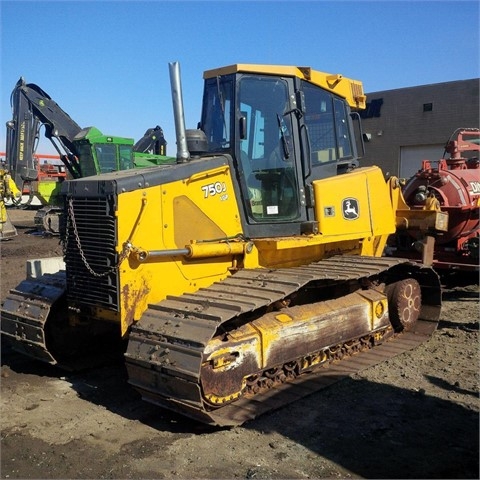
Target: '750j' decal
(212, 189)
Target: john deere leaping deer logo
(350, 209)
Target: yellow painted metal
(351, 90)
(217, 400)
(170, 217)
(262, 340)
(430, 218)
(283, 317)
(197, 250)
(422, 220)
(49, 192)
(220, 358)
(295, 251)
(198, 220)
(378, 304)
(365, 235)
(8, 190)
(431, 203)
(309, 321)
(206, 250)
(374, 216)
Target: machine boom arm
(152, 142)
(33, 108)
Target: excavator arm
(152, 142)
(33, 108)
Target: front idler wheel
(404, 303)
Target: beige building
(402, 127)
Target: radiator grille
(96, 230)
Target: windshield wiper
(283, 136)
(222, 103)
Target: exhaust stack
(183, 155)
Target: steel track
(165, 351)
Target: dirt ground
(414, 416)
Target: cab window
(216, 115)
(126, 157)
(266, 150)
(87, 162)
(327, 123)
(106, 158)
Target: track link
(35, 322)
(47, 220)
(166, 347)
(25, 312)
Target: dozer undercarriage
(255, 341)
(262, 339)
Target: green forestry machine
(83, 151)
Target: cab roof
(350, 90)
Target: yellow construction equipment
(8, 191)
(249, 273)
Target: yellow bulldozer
(249, 273)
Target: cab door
(269, 156)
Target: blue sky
(106, 62)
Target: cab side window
(327, 123)
(216, 119)
(126, 157)
(106, 158)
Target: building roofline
(424, 86)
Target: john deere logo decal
(350, 209)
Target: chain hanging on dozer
(127, 246)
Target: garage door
(411, 157)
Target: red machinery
(454, 186)
(50, 175)
(46, 170)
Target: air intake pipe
(183, 155)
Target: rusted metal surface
(167, 346)
(405, 310)
(35, 321)
(25, 312)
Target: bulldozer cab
(283, 133)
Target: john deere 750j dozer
(248, 274)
